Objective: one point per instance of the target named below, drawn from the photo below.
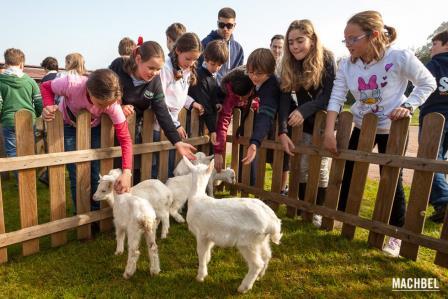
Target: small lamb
(180, 186)
(133, 216)
(182, 168)
(246, 223)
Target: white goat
(133, 216)
(182, 168)
(180, 186)
(245, 223)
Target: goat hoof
(118, 252)
(126, 275)
(163, 236)
(200, 278)
(243, 289)
(154, 272)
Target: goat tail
(146, 223)
(275, 232)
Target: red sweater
(121, 129)
(231, 101)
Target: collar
(14, 71)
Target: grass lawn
(308, 263)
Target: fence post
(183, 122)
(422, 181)
(163, 160)
(396, 145)
(315, 162)
(442, 258)
(27, 177)
(147, 137)
(235, 158)
(360, 171)
(246, 169)
(294, 171)
(344, 128)
(3, 251)
(55, 138)
(277, 168)
(131, 119)
(83, 172)
(107, 140)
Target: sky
(94, 28)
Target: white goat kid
(245, 223)
(182, 168)
(133, 216)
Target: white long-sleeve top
(379, 87)
(176, 92)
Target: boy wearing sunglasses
(226, 25)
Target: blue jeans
(9, 134)
(439, 191)
(70, 145)
(156, 159)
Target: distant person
(126, 46)
(17, 91)
(50, 65)
(226, 25)
(438, 102)
(276, 46)
(377, 75)
(173, 32)
(74, 66)
(205, 92)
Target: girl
(238, 91)
(99, 94)
(142, 89)
(307, 73)
(377, 75)
(74, 66)
(176, 76)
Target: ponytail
(391, 33)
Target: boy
(438, 102)
(226, 25)
(51, 67)
(173, 32)
(125, 47)
(17, 91)
(205, 91)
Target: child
(261, 68)
(74, 66)
(226, 25)
(306, 76)
(377, 75)
(206, 91)
(178, 74)
(142, 89)
(438, 102)
(17, 91)
(238, 92)
(50, 65)
(125, 47)
(99, 94)
(173, 32)
(276, 46)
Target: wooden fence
(394, 159)
(27, 162)
(424, 166)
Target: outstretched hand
(186, 149)
(251, 153)
(287, 144)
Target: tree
(424, 52)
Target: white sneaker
(392, 247)
(317, 220)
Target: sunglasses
(227, 25)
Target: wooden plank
(344, 128)
(235, 158)
(107, 140)
(360, 171)
(53, 227)
(55, 138)
(261, 168)
(183, 122)
(422, 181)
(277, 170)
(83, 184)
(354, 220)
(147, 137)
(245, 172)
(442, 257)
(35, 161)
(3, 175)
(314, 164)
(3, 251)
(294, 171)
(27, 178)
(163, 161)
(131, 126)
(396, 145)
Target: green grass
(309, 263)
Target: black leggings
(399, 205)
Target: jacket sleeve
(37, 99)
(124, 138)
(202, 94)
(320, 102)
(269, 98)
(340, 88)
(47, 93)
(222, 125)
(284, 109)
(163, 116)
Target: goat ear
(188, 163)
(211, 166)
(110, 185)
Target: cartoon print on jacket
(370, 96)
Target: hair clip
(139, 41)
